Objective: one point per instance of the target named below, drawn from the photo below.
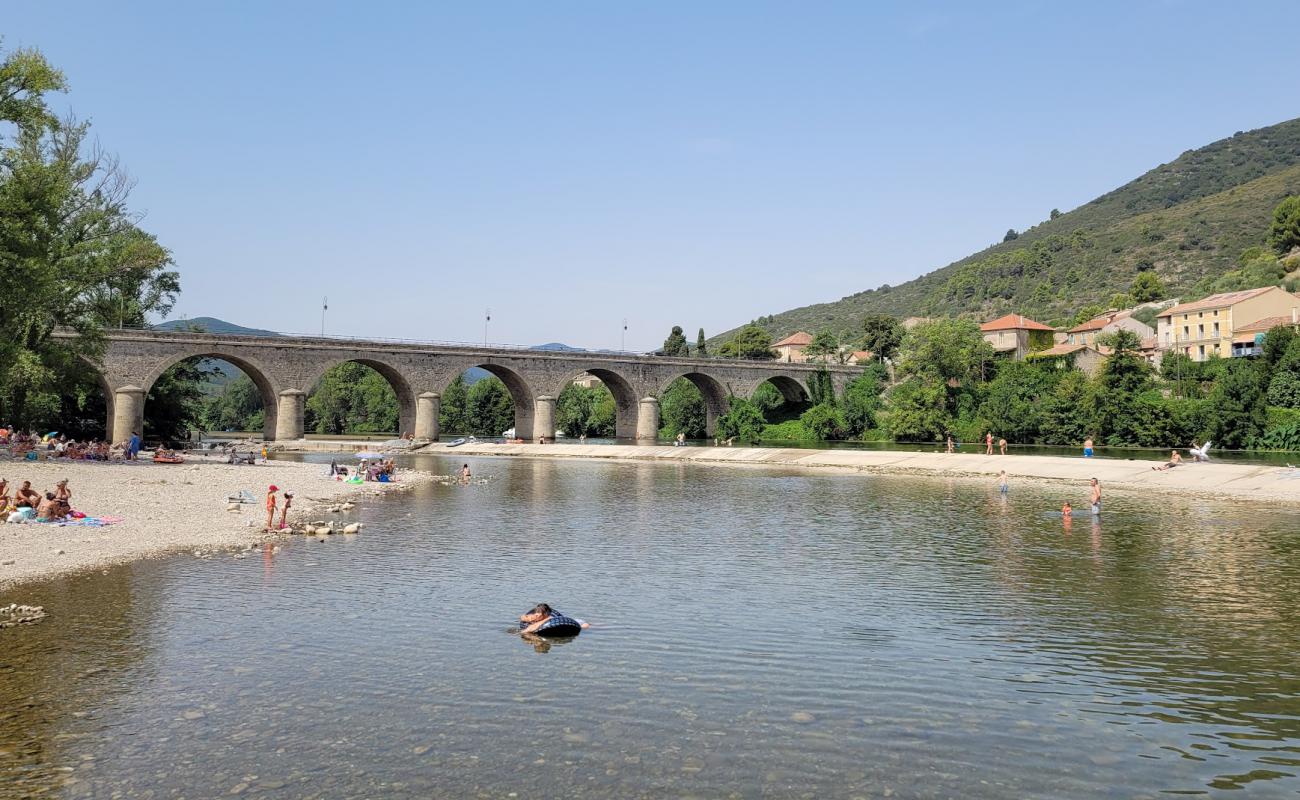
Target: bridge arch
(625, 398)
(792, 389)
(261, 376)
(521, 392)
(390, 373)
(713, 391)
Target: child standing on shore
(284, 512)
(271, 506)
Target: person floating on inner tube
(543, 620)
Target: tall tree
(1147, 287)
(881, 335)
(451, 413)
(823, 347)
(489, 409)
(701, 349)
(750, 342)
(68, 244)
(682, 410)
(675, 344)
(580, 411)
(1284, 233)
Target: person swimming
(543, 620)
(1067, 509)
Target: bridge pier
(647, 419)
(128, 413)
(427, 407)
(290, 411)
(544, 418)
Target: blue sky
(574, 164)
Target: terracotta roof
(861, 354)
(1148, 343)
(1215, 301)
(1061, 350)
(1094, 324)
(798, 339)
(1267, 323)
(1014, 322)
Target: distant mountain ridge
(1187, 219)
(211, 325)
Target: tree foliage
(881, 335)
(701, 349)
(682, 410)
(489, 409)
(236, 407)
(743, 421)
(675, 344)
(1146, 288)
(70, 249)
(583, 411)
(1284, 232)
(750, 342)
(352, 398)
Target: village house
(791, 347)
(1248, 340)
(1087, 333)
(1209, 327)
(1072, 356)
(1017, 336)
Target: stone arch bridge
(286, 368)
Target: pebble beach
(164, 508)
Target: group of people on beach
(53, 445)
(951, 444)
(29, 505)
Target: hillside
(1187, 219)
(211, 325)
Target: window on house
(1202, 351)
(1187, 332)
(1216, 329)
(1200, 331)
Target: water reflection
(757, 633)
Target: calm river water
(756, 633)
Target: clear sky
(572, 164)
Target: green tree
(701, 350)
(825, 421)
(1284, 233)
(1013, 401)
(175, 402)
(742, 422)
(768, 400)
(675, 344)
(1124, 375)
(824, 347)
(821, 389)
(861, 401)
(1239, 403)
(918, 411)
(1070, 411)
(751, 342)
(1056, 212)
(67, 242)
(582, 411)
(236, 407)
(1011, 235)
(352, 398)
(451, 414)
(881, 335)
(946, 349)
(1147, 287)
(682, 410)
(489, 409)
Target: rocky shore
(165, 508)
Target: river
(755, 632)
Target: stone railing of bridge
(285, 369)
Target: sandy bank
(1232, 481)
(165, 508)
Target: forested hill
(1188, 220)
